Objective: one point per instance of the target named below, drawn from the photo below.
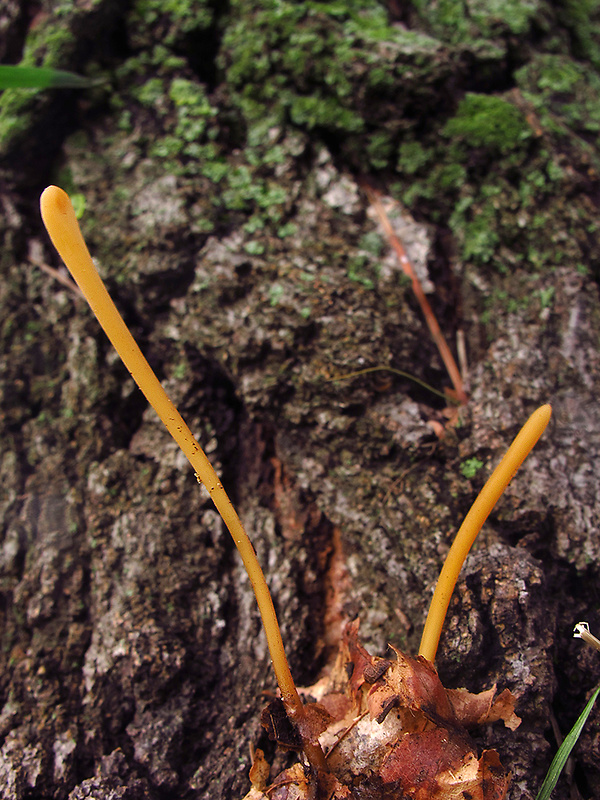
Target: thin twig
(60, 277)
(432, 323)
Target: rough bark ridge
(221, 163)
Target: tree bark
(222, 161)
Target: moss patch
(478, 22)
(329, 67)
(487, 121)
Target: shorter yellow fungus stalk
(486, 500)
(60, 221)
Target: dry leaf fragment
(413, 771)
(289, 735)
(279, 726)
(259, 771)
(431, 765)
(415, 683)
(476, 709)
(390, 729)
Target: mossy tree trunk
(222, 162)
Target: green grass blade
(564, 751)
(17, 77)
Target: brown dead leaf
(416, 686)
(259, 771)
(390, 729)
(429, 765)
(503, 708)
(356, 659)
(293, 784)
(476, 709)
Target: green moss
(308, 65)
(194, 112)
(15, 116)
(514, 15)
(169, 21)
(189, 95)
(180, 370)
(471, 467)
(372, 243)
(500, 189)
(361, 270)
(255, 223)
(557, 74)
(255, 248)
(380, 149)
(151, 92)
(582, 18)
(565, 96)
(240, 192)
(48, 44)
(215, 170)
(450, 176)
(276, 293)
(412, 156)
(477, 235)
(289, 229)
(178, 111)
(456, 21)
(246, 191)
(317, 111)
(546, 296)
(488, 121)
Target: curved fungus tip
(473, 522)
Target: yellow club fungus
(486, 500)
(60, 221)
